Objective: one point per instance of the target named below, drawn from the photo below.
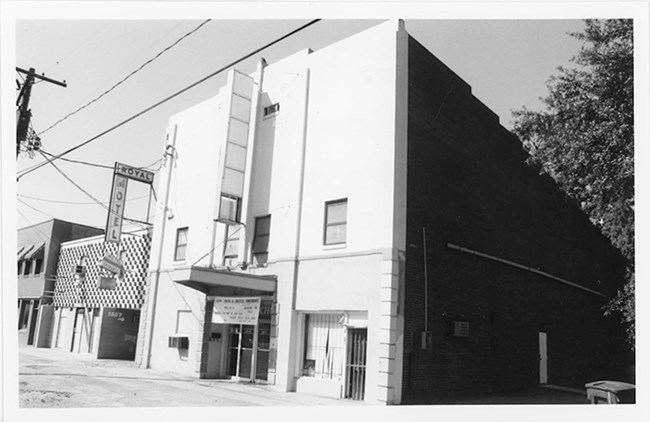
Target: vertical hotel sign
(116, 208)
(121, 176)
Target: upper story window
(27, 269)
(271, 110)
(336, 221)
(261, 240)
(231, 245)
(20, 263)
(180, 251)
(229, 208)
(38, 266)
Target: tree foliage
(584, 139)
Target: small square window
(271, 110)
(180, 251)
(335, 222)
(261, 240)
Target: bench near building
(353, 222)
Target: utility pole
(24, 113)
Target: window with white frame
(324, 346)
(260, 250)
(336, 221)
(180, 251)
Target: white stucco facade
(339, 135)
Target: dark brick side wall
(468, 184)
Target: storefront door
(248, 346)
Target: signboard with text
(116, 209)
(134, 173)
(111, 264)
(236, 310)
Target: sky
(506, 62)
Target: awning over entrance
(223, 282)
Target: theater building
(353, 222)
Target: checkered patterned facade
(72, 290)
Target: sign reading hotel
(236, 310)
(116, 209)
(121, 175)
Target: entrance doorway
(355, 376)
(248, 349)
(543, 359)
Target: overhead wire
(127, 76)
(174, 95)
(72, 202)
(100, 203)
(104, 166)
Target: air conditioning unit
(460, 329)
(457, 329)
(179, 342)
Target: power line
(100, 203)
(73, 203)
(76, 185)
(35, 209)
(104, 166)
(159, 103)
(128, 76)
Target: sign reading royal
(134, 173)
(116, 209)
(236, 310)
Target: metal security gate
(356, 364)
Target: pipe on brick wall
(426, 280)
(523, 267)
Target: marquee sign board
(236, 310)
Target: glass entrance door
(249, 345)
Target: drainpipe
(170, 151)
(426, 281)
(301, 188)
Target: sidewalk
(55, 378)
